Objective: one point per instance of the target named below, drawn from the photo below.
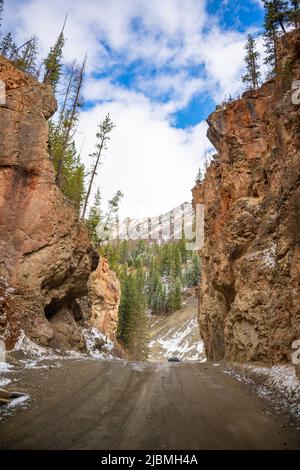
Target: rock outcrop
(100, 307)
(250, 288)
(105, 294)
(45, 254)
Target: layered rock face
(100, 307)
(250, 288)
(105, 293)
(45, 254)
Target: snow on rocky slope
(176, 335)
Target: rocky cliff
(250, 288)
(45, 254)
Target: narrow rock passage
(127, 405)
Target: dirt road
(121, 405)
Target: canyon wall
(249, 305)
(46, 258)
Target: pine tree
(252, 76)
(174, 298)
(53, 62)
(70, 172)
(103, 136)
(141, 327)
(158, 301)
(133, 324)
(26, 56)
(276, 14)
(176, 266)
(182, 246)
(196, 270)
(111, 217)
(178, 295)
(68, 84)
(153, 278)
(7, 46)
(294, 13)
(270, 43)
(73, 168)
(124, 309)
(276, 19)
(281, 9)
(124, 251)
(199, 176)
(74, 174)
(167, 258)
(69, 114)
(94, 218)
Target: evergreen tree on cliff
(252, 76)
(53, 62)
(277, 13)
(69, 115)
(26, 56)
(74, 174)
(70, 172)
(94, 218)
(294, 14)
(276, 18)
(7, 46)
(199, 176)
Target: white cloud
(161, 35)
(169, 33)
(153, 163)
(223, 57)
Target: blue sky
(159, 67)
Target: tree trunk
(59, 175)
(92, 180)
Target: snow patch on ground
(4, 381)
(98, 345)
(18, 401)
(10, 408)
(4, 367)
(29, 348)
(29, 355)
(278, 383)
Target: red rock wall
(105, 295)
(45, 253)
(249, 306)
